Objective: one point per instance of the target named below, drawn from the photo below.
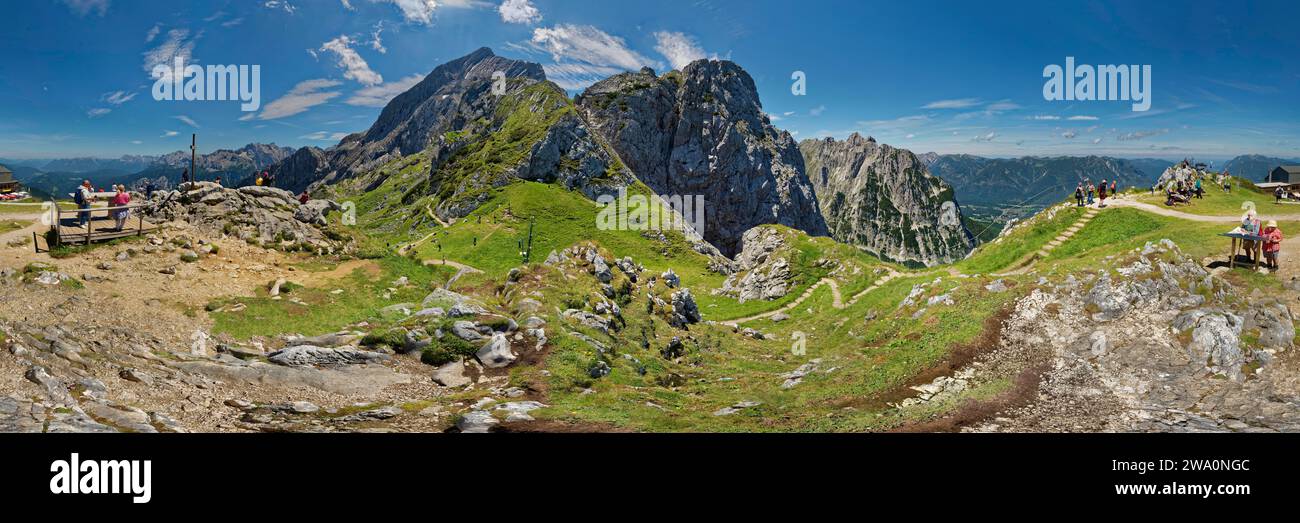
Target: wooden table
(1242, 237)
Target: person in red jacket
(1272, 243)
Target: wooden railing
(59, 213)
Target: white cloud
(153, 33)
(1046, 117)
(324, 136)
(417, 11)
(376, 42)
(587, 44)
(232, 23)
(678, 48)
(959, 103)
(354, 67)
(578, 76)
(348, 5)
(1003, 105)
(136, 142)
(187, 120)
(280, 4)
(910, 136)
(1096, 141)
(1138, 135)
(303, 96)
(117, 97)
(85, 7)
(985, 137)
(169, 134)
(817, 111)
(1069, 134)
(98, 112)
(178, 44)
(380, 95)
(1084, 118)
(519, 12)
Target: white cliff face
(701, 131)
(884, 200)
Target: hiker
(1227, 182)
(1199, 191)
(302, 198)
(82, 198)
(1101, 194)
(1078, 194)
(1113, 192)
(270, 178)
(1272, 243)
(120, 199)
(218, 181)
(1090, 192)
(1250, 225)
(148, 191)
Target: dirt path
(837, 302)
(1163, 211)
(1025, 263)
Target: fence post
(90, 220)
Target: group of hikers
(117, 203)
(1182, 191)
(1271, 234)
(1085, 191)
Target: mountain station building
(7, 182)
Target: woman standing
(121, 199)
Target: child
(1272, 243)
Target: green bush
(390, 337)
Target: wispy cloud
(303, 96)
(985, 137)
(583, 54)
(187, 120)
(178, 43)
(98, 112)
(586, 44)
(959, 103)
(1138, 135)
(678, 48)
(1047, 117)
(282, 5)
(169, 134)
(422, 11)
(380, 95)
(353, 65)
(817, 111)
(324, 136)
(1084, 118)
(85, 7)
(117, 97)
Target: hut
(7, 182)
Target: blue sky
(951, 77)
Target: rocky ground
(1156, 343)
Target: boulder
(496, 352)
(304, 355)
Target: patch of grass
(324, 312)
(1024, 239)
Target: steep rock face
(884, 200)
(448, 99)
(300, 169)
(702, 131)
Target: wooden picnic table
(1255, 252)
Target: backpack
(79, 197)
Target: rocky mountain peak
(702, 131)
(883, 199)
